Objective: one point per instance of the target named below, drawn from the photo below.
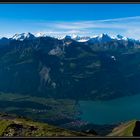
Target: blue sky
(82, 19)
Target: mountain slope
(15, 126)
(126, 129)
(65, 68)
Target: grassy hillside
(11, 125)
(125, 129)
(15, 126)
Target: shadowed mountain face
(136, 131)
(49, 67)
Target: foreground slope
(15, 126)
(131, 128)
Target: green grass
(124, 129)
(42, 129)
(3, 125)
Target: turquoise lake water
(110, 112)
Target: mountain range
(96, 38)
(97, 68)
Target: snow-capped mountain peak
(41, 34)
(74, 36)
(120, 37)
(103, 35)
(23, 36)
(102, 38)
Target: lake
(112, 111)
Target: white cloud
(128, 26)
